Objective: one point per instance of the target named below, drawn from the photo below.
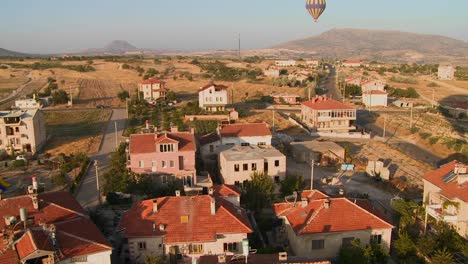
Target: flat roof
(318, 146)
(239, 153)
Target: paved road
(87, 194)
(331, 85)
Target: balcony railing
(436, 211)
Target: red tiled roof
(341, 216)
(245, 130)
(146, 143)
(220, 86)
(448, 189)
(264, 259)
(374, 92)
(151, 81)
(201, 225)
(313, 195)
(208, 138)
(325, 103)
(225, 190)
(59, 209)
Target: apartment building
(312, 62)
(322, 114)
(352, 63)
(152, 89)
(316, 225)
(446, 72)
(213, 97)
(49, 228)
(286, 98)
(446, 195)
(22, 131)
(375, 98)
(167, 153)
(184, 227)
(285, 63)
(238, 163)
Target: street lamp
(97, 181)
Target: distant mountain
(9, 53)
(381, 45)
(117, 47)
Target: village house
(152, 89)
(299, 76)
(164, 154)
(49, 228)
(352, 63)
(28, 103)
(22, 131)
(353, 81)
(446, 72)
(312, 62)
(213, 97)
(285, 63)
(241, 134)
(286, 98)
(316, 225)
(322, 152)
(373, 85)
(271, 72)
(238, 163)
(322, 114)
(185, 226)
(446, 195)
(375, 98)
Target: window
(236, 167)
(346, 241)
(230, 247)
(211, 148)
(171, 164)
(261, 143)
(196, 249)
(164, 179)
(141, 164)
(237, 183)
(254, 166)
(245, 167)
(376, 239)
(141, 246)
(154, 164)
(166, 148)
(318, 244)
(79, 259)
(277, 179)
(164, 164)
(245, 144)
(16, 129)
(276, 163)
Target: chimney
(35, 202)
(23, 216)
(177, 193)
(154, 227)
(147, 124)
(213, 206)
(221, 258)
(34, 183)
(283, 256)
(162, 227)
(326, 204)
(210, 191)
(192, 131)
(174, 129)
(155, 206)
(304, 202)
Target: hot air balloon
(316, 8)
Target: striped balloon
(316, 8)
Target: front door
(173, 253)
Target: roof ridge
(84, 239)
(232, 215)
(312, 217)
(373, 215)
(65, 208)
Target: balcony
(436, 211)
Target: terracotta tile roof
(325, 103)
(449, 189)
(313, 195)
(374, 92)
(201, 225)
(264, 259)
(245, 130)
(225, 190)
(146, 143)
(59, 209)
(219, 86)
(151, 81)
(312, 216)
(208, 138)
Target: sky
(58, 26)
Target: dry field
(10, 80)
(73, 131)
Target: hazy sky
(41, 26)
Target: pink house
(168, 153)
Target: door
(265, 167)
(181, 163)
(173, 253)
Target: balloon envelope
(316, 8)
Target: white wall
(154, 247)
(208, 97)
(251, 140)
(98, 258)
(375, 99)
(214, 247)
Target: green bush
(414, 129)
(425, 135)
(19, 163)
(433, 140)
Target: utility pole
(71, 96)
(97, 181)
(239, 50)
(384, 125)
(273, 111)
(116, 138)
(411, 117)
(433, 101)
(126, 104)
(312, 165)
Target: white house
(285, 63)
(312, 62)
(373, 85)
(28, 103)
(375, 98)
(152, 89)
(353, 81)
(352, 63)
(271, 73)
(213, 97)
(446, 72)
(185, 226)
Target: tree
(60, 97)
(404, 246)
(353, 253)
(442, 256)
(123, 95)
(292, 183)
(258, 192)
(156, 260)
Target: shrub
(425, 135)
(433, 140)
(433, 84)
(19, 163)
(414, 129)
